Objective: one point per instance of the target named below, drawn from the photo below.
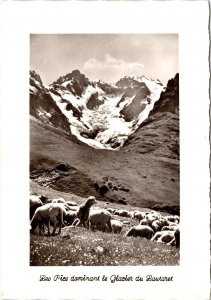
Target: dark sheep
(83, 212)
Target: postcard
(104, 150)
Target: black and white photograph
(104, 150)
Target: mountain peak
(74, 75)
(131, 80)
(174, 82)
(36, 76)
(135, 77)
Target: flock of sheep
(58, 213)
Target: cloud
(111, 63)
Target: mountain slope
(141, 180)
(159, 134)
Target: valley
(150, 179)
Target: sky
(107, 57)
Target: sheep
(58, 200)
(83, 212)
(155, 213)
(66, 204)
(140, 231)
(177, 219)
(173, 219)
(131, 213)
(139, 215)
(111, 210)
(70, 217)
(152, 217)
(116, 226)
(154, 220)
(34, 199)
(62, 201)
(144, 222)
(167, 237)
(35, 202)
(45, 199)
(122, 213)
(100, 218)
(169, 228)
(177, 237)
(170, 218)
(71, 203)
(158, 224)
(51, 212)
(71, 208)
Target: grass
(77, 246)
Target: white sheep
(61, 200)
(152, 212)
(140, 231)
(173, 219)
(139, 215)
(51, 212)
(122, 213)
(100, 218)
(168, 237)
(152, 216)
(158, 224)
(116, 226)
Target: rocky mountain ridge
(99, 114)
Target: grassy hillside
(158, 135)
(79, 246)
(149, 179)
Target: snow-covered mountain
(99, 114)
(42, 105)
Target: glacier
(104, 125)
